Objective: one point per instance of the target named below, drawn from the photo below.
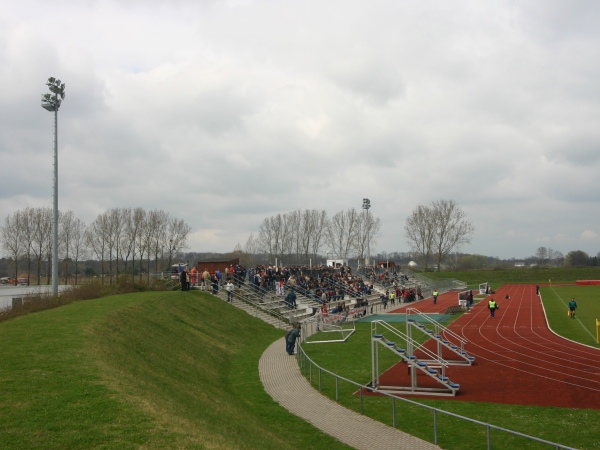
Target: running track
(518, 359)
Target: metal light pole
(366, 205)
(51, 102)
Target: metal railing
(308, 366)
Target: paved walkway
(282, 379)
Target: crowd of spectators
(326, 285)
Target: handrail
(241, 294)
(302, 358)
(411, 344)
(439, 326)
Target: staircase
(403, 346)
(445, 339)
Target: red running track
(518, 359)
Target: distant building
(520, 264)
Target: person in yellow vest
(435, 296)
(392, 297)
(492, 306)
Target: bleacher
(307, 303)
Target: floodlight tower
(51, 102)
(366, 205)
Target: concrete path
(282, 379)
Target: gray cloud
(223, 113)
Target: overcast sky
(223, 113)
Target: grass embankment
(352, 360)
(148, 370)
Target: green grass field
(583, 327)
(532, 275)
(180, 370)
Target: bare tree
(134, 233)
(420, 233)
(453, 229)
(140, 217)
(250, 249)
(341, 234)
(11, 235)
(292, 235)
(289, 226)
(48, 241)
(97, 239)
(159, 239)
(78, 244)
(42, 237)
(317, 226)
(127, 239)
(65, 237)
(270, 236)
(555, 257)
(367, 234)
(176, 234)
(116, 226)
(541, 254)
(28, 236)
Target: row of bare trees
(118, 238)
(301, 235)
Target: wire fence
(312, 369)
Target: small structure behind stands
(484, 288)
(214, 264)
(386, 264)
(337, 263)
(463, 298)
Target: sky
(224, 113)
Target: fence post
(320, 386)
(361, 400)
(394, 412)
(489, 437)
(337, 393)
(435, 428)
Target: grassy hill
(148, 370)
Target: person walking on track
(572, 307)
(492, 306)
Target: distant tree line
(123, 240)
(300, 236)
